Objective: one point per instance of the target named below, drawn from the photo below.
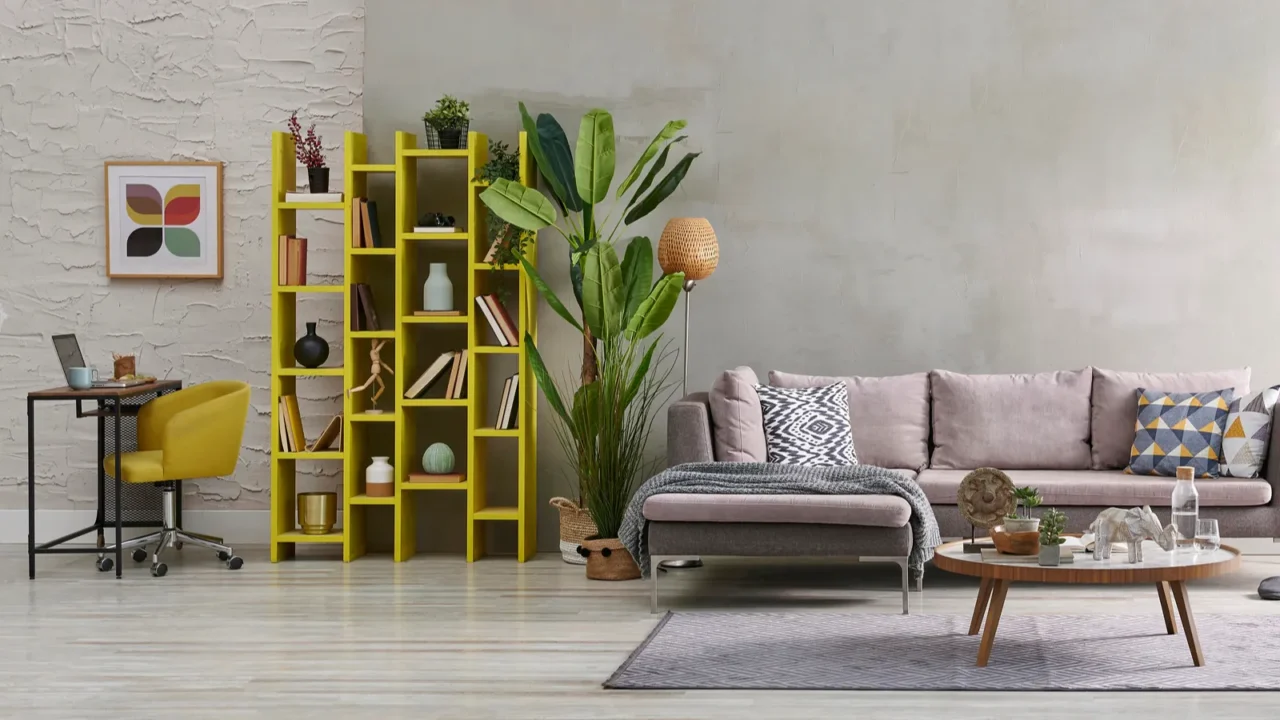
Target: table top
(1157, 566)
(103, 393)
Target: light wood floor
(437, 638)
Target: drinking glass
(1207, 535)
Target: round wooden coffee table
(1168, 571)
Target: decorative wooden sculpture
(986, 497)
(376, 366)
(1130, 526)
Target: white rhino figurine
(1130, 526)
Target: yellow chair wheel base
(139, 555)
(105, 563)
(159, 570)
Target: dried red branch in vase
(309, 149)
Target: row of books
(292, 436)
(499, 320)
(455, 363)
(363, 315)
(365, 231)
(507, 415)
(292, 264)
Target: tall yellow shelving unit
(393, 273)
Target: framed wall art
(164, 219)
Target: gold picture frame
(165, 218)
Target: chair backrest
(200, 428)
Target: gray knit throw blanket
(773, 479)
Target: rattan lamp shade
(689, 245)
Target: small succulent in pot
(450, 119)
(1052, 524)
(1021, 521)
(310, 151)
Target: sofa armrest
(1271, 470)
(689, 431)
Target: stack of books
(454, 363)
(365, 231)
(293, 260)
(507, 415)
(292, 437)
(499, 321)
(363, 315)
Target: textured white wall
(84, 81)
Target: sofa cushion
(736, 422)
(1179, 430)
(1105, 488)
(807, 426)
(1115, 405)
(1248, 435)
(889, 416)
(1038, 421)
(866, 510)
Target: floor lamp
(687, 245)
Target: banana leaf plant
(604, 421)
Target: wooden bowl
(1019, 543)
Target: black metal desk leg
(101, 519)
(119, 522)
(31, 488)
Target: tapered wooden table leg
(998, 592)
(1166, 607)
(980, 607)
(1179, 588)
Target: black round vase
(311, 350)
(450, 139)
(318, 179)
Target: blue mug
(81, 378)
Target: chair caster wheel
(177, 545)
(139, 555)
(234, 563)
(159, 570)
(105, 563)
(223, 555)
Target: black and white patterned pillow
(807, 426)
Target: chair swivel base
(171, 538)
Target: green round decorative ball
(438, 459)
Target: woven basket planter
(576, 526)
(433, 137)
(608, 559)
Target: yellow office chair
(191, 433)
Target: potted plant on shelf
(310, 152)
(506, 242)
(1021, 521)
(449, 120)
(603, 421)
(1052, 523)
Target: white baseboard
(237, 527)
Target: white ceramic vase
(379, 478)
(437, 291)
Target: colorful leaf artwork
(181, 206)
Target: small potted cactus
(448, 121)
(1021, 521)
(1052, 523)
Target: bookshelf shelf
(397, 288)
(509, 267)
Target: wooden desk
(109, 403)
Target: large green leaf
(544, 379)
(637, 275)
(662, 190)
(595, 156)
(540, 154)
(657, 307)
(549, 294)
(602, 291)
(653, 171)
(637, 379)
(521, 206)
(559, 160)
(667, 132)
(586, 416)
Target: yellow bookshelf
(397, 285)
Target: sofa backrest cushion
(736, 420)
(889, 416)
(1115, 405)
(1035, 421)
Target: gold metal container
(317, 512)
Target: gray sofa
(1066, 433)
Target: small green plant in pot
(449, 119)
(1052, 524)
(1021, 521)
(506, 242)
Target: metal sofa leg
(906, 578)
(654, 572)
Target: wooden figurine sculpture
(376, 367)
(1130, 526)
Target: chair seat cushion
(1102, 487)
(864, 510)
(142, 466)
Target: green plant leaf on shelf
(555, 146)
(544, 379)
(637, 275)
(662, 190)
(653, 171)
(656, 307)
(667, 132)
(602, 299)
(521, 206)
(595, 157)
(548, 293)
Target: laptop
(68, 349)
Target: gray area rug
(829, 651)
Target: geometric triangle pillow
(1244, 443)
(1179, 430)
